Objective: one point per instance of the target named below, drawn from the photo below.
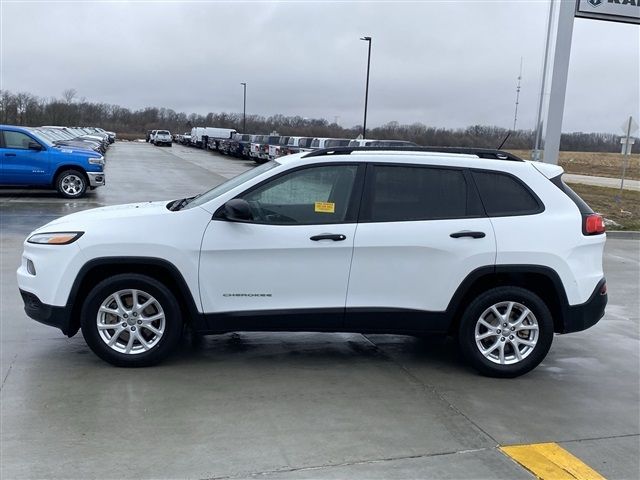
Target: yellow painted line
(549, 461)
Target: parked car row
(67, 159)
(262, 148)
(93, 138)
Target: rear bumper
(586, 315)
(58, 317)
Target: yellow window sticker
(325, 207)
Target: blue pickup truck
(31, 160)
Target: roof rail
(480, 152)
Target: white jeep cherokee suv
(476, 243)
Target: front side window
(406, 193)
(17, 140)
(312, 196)
(315, 143)
(504, 195)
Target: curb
(626, 235)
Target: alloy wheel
(131, 321)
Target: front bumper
(586, 315)
(96, 179)
(58, 317)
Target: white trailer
(200, 136)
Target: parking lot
(303, 405)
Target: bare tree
(69, 94)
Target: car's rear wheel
(71, 184)
(506, 332)
(131, 320)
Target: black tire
(470, 318)
(71, 183)
(163, 347)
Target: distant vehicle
(201, 136)
(162, 137)
(275, 151)
(319, 143)
(365, 142)
(255, 145)
(111, 135)
(263, 153)
(30, 159)
(240, 145)
(296, 145)
(185, 138)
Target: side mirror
(237, 210)
(35, 146)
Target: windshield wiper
(181, 203)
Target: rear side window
(406, 193)
(504, 195)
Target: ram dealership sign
(627, 11)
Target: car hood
(74, 149)
(79, 221)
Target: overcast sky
(442, 63)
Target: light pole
(244, 109)
(366, 92)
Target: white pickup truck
(276, 150)
(162, 137)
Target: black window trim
(353, 209)
(367, 196)
(541, 207)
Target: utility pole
(244, 109)
(366, 92)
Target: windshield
(231, 184)
(64, 134)
(163, 132)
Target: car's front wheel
(71, 184)
(506, 332)
(131, 320)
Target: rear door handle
(336, 237)
(467, 233)
(9, 154)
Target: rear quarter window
(504, 195)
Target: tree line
(27, 109)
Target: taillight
(593, 224)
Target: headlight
(54, 238)
(97, 160)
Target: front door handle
(336, 237)
(467, 233)
(9, 154)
